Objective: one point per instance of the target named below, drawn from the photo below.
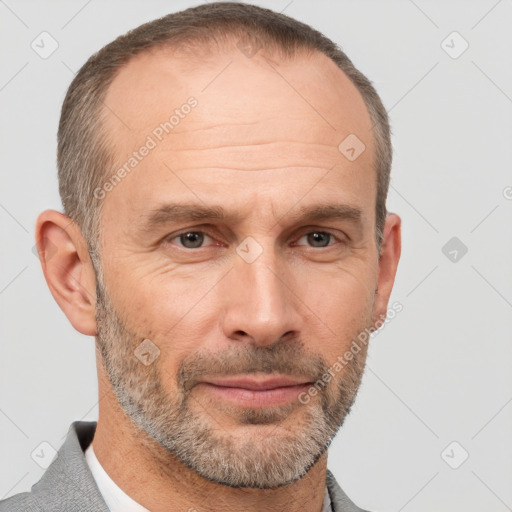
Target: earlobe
(388, 263)
(67, 269)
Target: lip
(256, 384)
(256, 393)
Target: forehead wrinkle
(266, 169)
(254, 143)
(301, 122)
(224, 99)
(293, 129)
(250, 155)
(241, 141)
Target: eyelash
(205, 232)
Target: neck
(155, 478)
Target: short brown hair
(85, 154)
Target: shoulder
(67, 484)
(340, 502)
(23, 502)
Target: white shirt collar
(118, 501)
(115, 498)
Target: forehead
(252, 114)
(307, 96)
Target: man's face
(264, 291)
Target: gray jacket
(68, 485)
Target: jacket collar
(68, 483)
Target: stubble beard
(270, 451)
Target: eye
(191, 239)
(318, 238)
(199, 239)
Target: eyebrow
(180, 212)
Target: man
(224, 173)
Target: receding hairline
(199, 52)
(83, 155)
(208, 52)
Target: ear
(388, 263)
(68, 269)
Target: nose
(260, 304)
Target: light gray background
(439, 372)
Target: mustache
(283, 358)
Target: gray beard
(179, 421)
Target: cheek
(173, 309)
(345, 289)
(153, 295)
(343, 306)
